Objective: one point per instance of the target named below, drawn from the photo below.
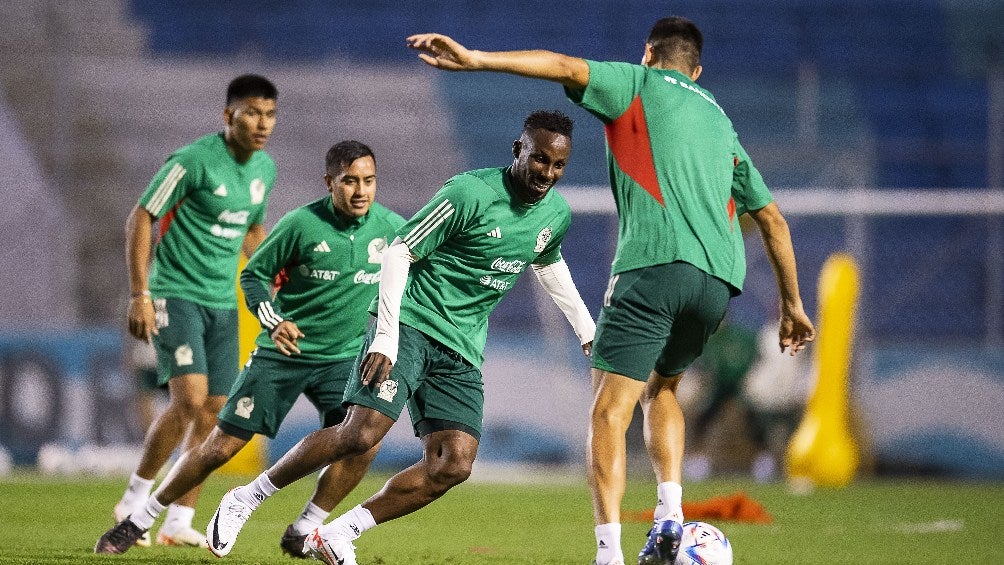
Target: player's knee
(450, 469)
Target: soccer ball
(703, 544)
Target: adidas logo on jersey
(221, 190)
(322, 247)
(496, 233)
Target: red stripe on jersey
(165, 222)
(627, 137)
(280, 279)
(731, 209)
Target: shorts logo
(160, 313)
(183, 355)
(375, 250)
(244, 407)
(388, 390)
(542, 239)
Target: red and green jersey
(328, 269)
(679, 176)
(472, 241)
(205, 200)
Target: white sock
(670, 505)
(608, 543)
(178, 516)
(312, 517)
(255, 492)
(350, 525)
(137, 491)
(147, 514)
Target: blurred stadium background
(879, 124)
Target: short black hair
(246, 86)
(676, 40)
(342, 154)
(551, 120)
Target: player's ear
(327, 181)
(696, 73)
(516, 147)
(228, 115)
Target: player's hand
(796, 331)
(587, 348)
(375, 369)
(442, 52)
(285, 337)
(142, 319)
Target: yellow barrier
(251, 459)
(822, 451)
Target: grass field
(57, 520)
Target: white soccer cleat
(121, 512)
(180, 536)
(221, 533)
(333, 551)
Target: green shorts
(659, 318)
(194, 339)
(443, 391)
(147, 379)
(269, 385)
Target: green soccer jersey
(679, 176)
(205, 200)
(328, 269)
(472, 241)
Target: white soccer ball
(703, 544)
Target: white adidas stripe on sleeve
(166, 188)
(429, 224)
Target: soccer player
(210, 198)
(326, 256)
(449, 267)
(680, 180)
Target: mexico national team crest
(257, 191)
(542, 239)
(388, 390)
(375, 249)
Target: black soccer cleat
(120, 538)
(292, 543)
(663, 544)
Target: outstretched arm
(443, 52)
(796, 328)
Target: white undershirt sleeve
(394, 267)
(557, 281)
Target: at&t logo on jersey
(542, 239)
(514, 266)
(491, 282)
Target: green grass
(57, 520)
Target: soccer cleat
(293, 544)
(663, 544)
(333, 551)
(229, 518)
(184, 536)
(121, 512)
(120, 538)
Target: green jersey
(679, 176)
(327, 268)
(205, 200)
(472, 241)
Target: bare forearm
(138, 229)
(569, 71)
(780, 253)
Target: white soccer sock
(147, 515)
(255, 492)
(670, 505)
(137, 491)
(312, 517)
(608, 543)
(178, 516)
(350, 525)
